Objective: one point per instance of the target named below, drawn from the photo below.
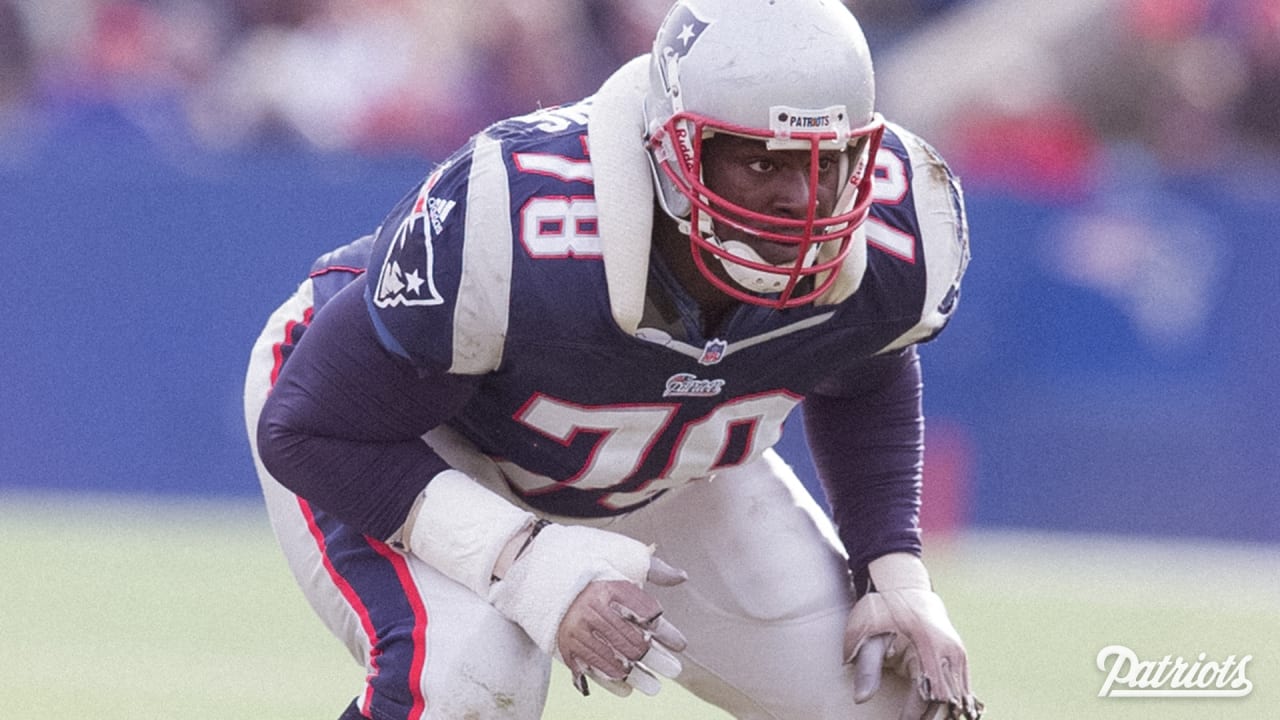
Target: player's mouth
(773, 252)
(776, 253)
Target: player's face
(774, 182)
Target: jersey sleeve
(440, 266)
(371, 373)
(865, 425)
(866, 436)
(939, 218)
(343, 424)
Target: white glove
(577, 592)
(904, 624)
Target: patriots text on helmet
(809, 122)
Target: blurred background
(169, 168)
(1104, 422)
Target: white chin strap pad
(758, 281)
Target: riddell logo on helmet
(686, 148)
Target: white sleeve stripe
(482, 309)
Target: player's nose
(791, 192)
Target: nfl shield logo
(713, 352)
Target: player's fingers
(656, 625)
(918, 706)
(579, 671)
(595, 612)
(633, 604)
(661, 662)
(626, 638)
(649, 613)
(954, 685)
(605, 627)
(669, 635)
(591, 639)
(868, 666)
(642, 680)
(660, 573)
(617, 687)
(598, 654)
(939, 711)
(636, 676)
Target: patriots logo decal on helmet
(680, 31)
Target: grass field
(117, 609)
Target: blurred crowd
(331, 74)
(1182, 77)
(1150, 127)
(1040, 97)
(365, 75)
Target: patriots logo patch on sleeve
(406, 277)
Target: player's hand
(577, 591)
(906, 629)
(615, 633)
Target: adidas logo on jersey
(438, 210)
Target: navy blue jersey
(585, 417)
(511, 285)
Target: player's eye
(761, 165)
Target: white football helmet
(795, 74)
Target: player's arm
(866, 431)
(866, 425)
(866, 434)
(343, 424)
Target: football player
(531, 416)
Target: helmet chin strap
(758, 281)
(762, 282)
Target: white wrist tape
(541, 585)
(899, 571)
(459, 528)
